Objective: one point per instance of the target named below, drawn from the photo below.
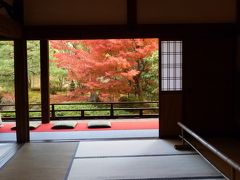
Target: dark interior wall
(237, 89)
(170, 104)
(208, 84)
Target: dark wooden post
(111, 111)
(53, 111)
(82, 114)
(21, 90)
(140, 112)
(45, 102)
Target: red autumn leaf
(105, 67)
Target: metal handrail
(214, 150)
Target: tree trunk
(94, 97)
(138, 81)
(138, 88)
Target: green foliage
(34, 97)
(57, 75)
(78, 107)
(8, 114)
(34, 114)
(123, 112)
(86, 113)
(129, 98)
(6, 65)
(151, 78)
(57, 78)
(33, 56)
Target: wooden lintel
(122, 31)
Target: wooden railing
(233, 165)
(86, 110)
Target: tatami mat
(128, 148)
(113, 134)
(7, 137)
(38, 161)
(7, 150)
(6, 147)
(100, 160)
(141, 168)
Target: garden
(85, 75)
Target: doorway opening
(110, 80)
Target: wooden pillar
(159, 83)
(21, 90)
(45, 102)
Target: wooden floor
(110, 159)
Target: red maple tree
(103, 68)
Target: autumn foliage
(104, 69)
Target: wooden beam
(166, 31)
(45, 102)
(21, 90)
(9, 28)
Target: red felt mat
(128, 125)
